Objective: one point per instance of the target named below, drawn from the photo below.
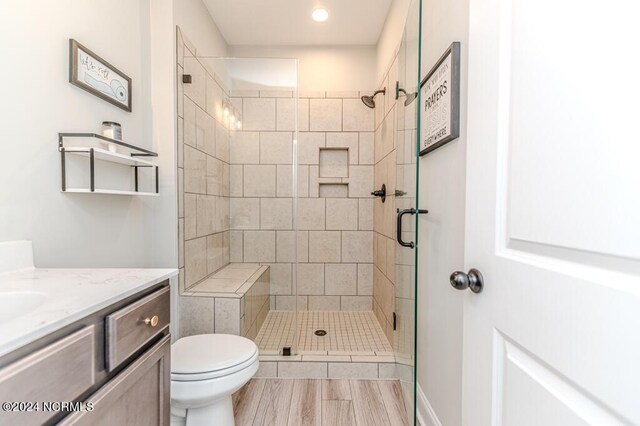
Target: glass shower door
(406, 198)
(258, 98)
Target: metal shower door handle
(401, 213)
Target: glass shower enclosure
(260, 100)
(406, 204)
(275, 184)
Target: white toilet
(206, 370)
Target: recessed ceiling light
(320, 15)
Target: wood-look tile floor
(320, 402)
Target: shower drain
(320, 333)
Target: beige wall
(194, 19)
(334, 222)
(390, 36)
(322, 68)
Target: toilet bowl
(206, 370)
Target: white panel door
(553, 213)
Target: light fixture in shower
(370, 101)
(231, 114)
(320, 14)
(225, 108)
(409, 97)
(238, 119)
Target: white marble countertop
(65, 295)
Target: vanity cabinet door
(61, 371)
(138, 396)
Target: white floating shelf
(97, 153)
(109, 192)
(105, 155)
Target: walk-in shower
(281, 240)
(280, 209)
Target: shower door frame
(408, 164)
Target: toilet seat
(180, 377)
(208, 356)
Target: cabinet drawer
(61, 371)
(129, 328)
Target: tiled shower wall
(203, 169)
(334, 206)
(395, 166)
(384, 247)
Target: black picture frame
(94, 75)
(454, 109)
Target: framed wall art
(440, 97)
(98, 77)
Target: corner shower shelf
(94, 153)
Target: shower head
(409, 97)
(369, 100)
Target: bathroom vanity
(96, 338)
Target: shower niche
(333, 169)
(333, 190)
(334, 163)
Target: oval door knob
(472, 280)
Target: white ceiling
(288, 22)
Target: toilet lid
(210, 352)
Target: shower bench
(241, 293)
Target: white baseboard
(425, 414)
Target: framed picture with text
(440, 98)
(98, 77)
